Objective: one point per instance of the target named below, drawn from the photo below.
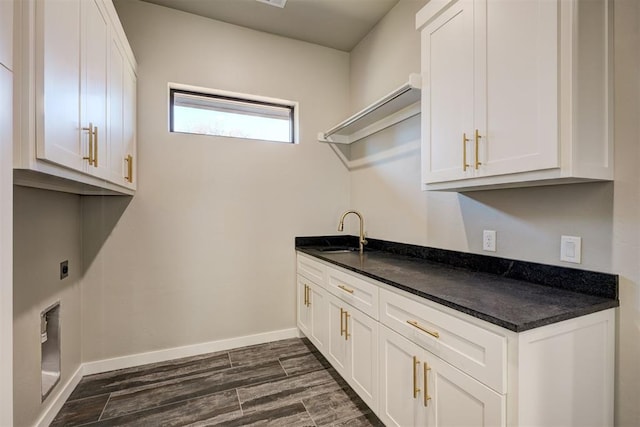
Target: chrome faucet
(362, 241)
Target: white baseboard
(105, 365)
(132, 360)
(56, 403)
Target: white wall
(46, 231)
(626, 209)
(6, 214)
(204, 251)
(529, 221)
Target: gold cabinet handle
(306, 296)
(346, 325)
(416, 389)
(341, 322)
(477, 138)
(95, 148)
(465, 165)
(415, 324)
(129, 177)
(344, 288)
(425, 371)
(90, 157)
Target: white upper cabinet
(58, 79)
(6, 33)
(122, 117)
(94, 56)
(76, 93)
(515, 93)
(447, 107)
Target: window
(236, 116)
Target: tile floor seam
(239, 403)
(309, 413)
(283, 368)
(104, 407)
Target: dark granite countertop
(515, 295)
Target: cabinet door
(312, 311)
(447, 94)
(337, 345)
(400, 374)
(129, 127)
(116, 144)
(95, 44)
(304, 313)
(319, 314)
(516, 109)
(459, 400)
(58, 80)
(363, 356)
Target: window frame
(292, 106)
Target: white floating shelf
(393, 108)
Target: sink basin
(338, 249)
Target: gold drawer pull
(344, 288)
(95, 146)
(477, 137)
(413, 323)
(427, 398)
(416, 389)
(465, 165)
(306, 295)
(90, 157)
(346, 325)
(129, 177)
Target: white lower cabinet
(353, 348)
(419, 389)
(424, 364)
(312, 312)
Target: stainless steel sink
(337, 250)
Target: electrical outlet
(489, 240)
(571, 249)
(64, 269)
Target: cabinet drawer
(471, 348)
(312, 270)
(353, 290)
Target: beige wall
(529, 221)
(626, 212)
(6, 214)
(204, 251)
(46, 231)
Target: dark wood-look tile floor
(282, 383)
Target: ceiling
(339, 24)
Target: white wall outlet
(571, 249)
(489, 240)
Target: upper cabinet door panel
(6, 33)
(116, 114)
(517, 86)
(447, 101)
(129, 127)
(96, 44)
(58, 80)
